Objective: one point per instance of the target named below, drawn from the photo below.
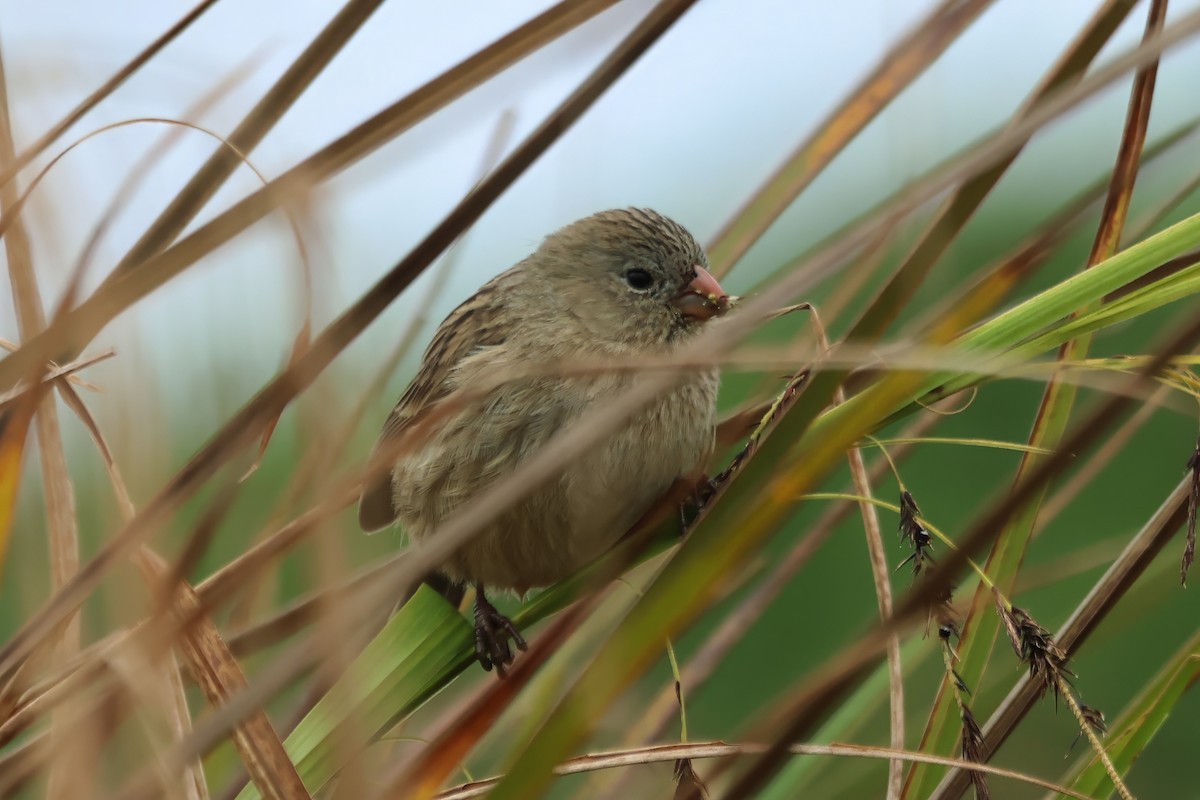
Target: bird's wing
(474, 324)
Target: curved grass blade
(676, 752)
(48, 138)
(62, 528)
(226, 158)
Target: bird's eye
(639, 279)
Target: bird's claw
(492, 632)
(698, 496)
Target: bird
(620, 284)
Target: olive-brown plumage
(619, 284)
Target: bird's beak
(703, 299)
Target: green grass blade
(1139, 722)
(411, 659)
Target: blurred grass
(826, 609)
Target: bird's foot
(701, 491)
(492, 632)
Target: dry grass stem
(702, 750)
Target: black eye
(639, 279)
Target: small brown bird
(617, 284)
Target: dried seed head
(908, 516)
(974, 749)
(1189, 547)
(687, 782)
(1094, 718)
(1036, 647)
(915, 534)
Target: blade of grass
(59, 496)
(1048, 308)
(1179, 286)
(220, 676)
(981, 626)
(881, 574)
(195, 786)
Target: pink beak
(703, 299)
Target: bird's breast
(573, 518)
(612, 485)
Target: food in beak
(703, 299)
